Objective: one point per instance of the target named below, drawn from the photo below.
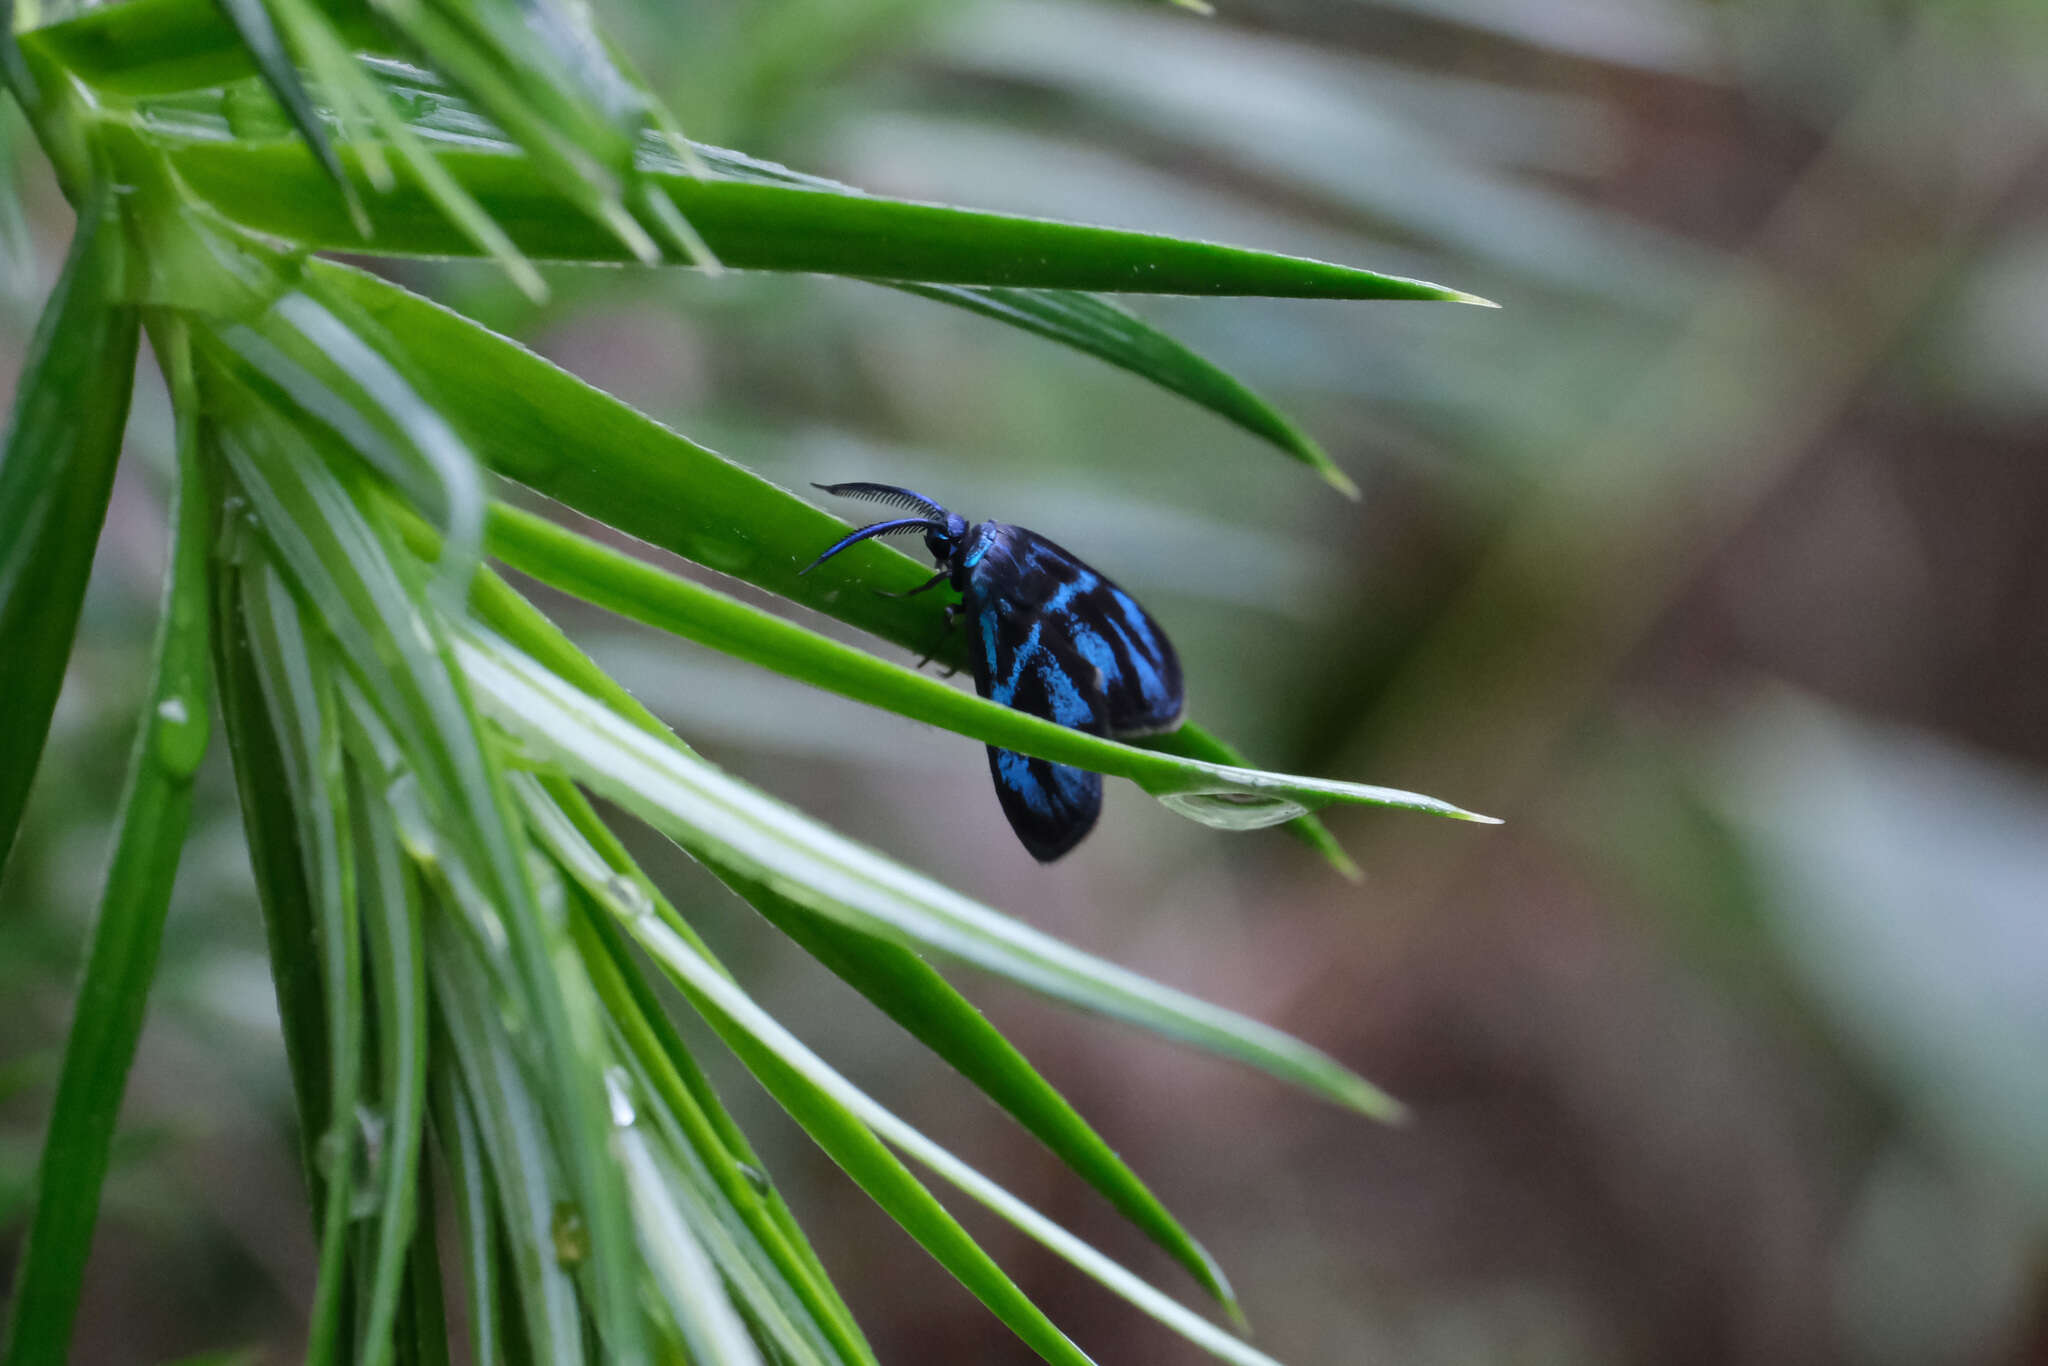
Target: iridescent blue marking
(983, 539)
(1016, 771)
(1069, 708)
(1051, 637)
(1148, 678)
(988, 638)
(1136, 616)
(1096, 651)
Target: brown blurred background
(1714, 562)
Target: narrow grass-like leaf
(299, 693)
(739, 831)
(56, 469)
(797, 1076)
(476, 1220)
(338, 361)
(157, 47)
(919, 999)
(1092, 325)
(431, 188)
(423, 1314)
(711, 1327)
(391, 921)
(898, 982)
(650, 482)
(1233, 797)
(355, 102)
(674, 1075)
(1108, 332)
(390, 639)
(272, 833)
(277, 187)
(514, 1139)
(121, 964)
(259, 34)
(571, 146)
(778, 1288)
(1192, 742)
(359, 582)
(895, 979)
(849, 1143)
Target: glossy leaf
(392, 928)
(784, 1290)
(849, 1143)
(742, 833)
(387, 636)
(894, 979)
(604, 576)
(278, 188)
(56, 470)
(513, 1138)
(521, 413)
(259, 35)
(805, 1084)
(904, 987)
(299, 695)
(1108, 332)
(476, 1220)
(121, 964)
(145, 47)
(1092, 325)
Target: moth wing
(1104, 636)
(1050, 806)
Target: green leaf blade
(521, 412)
(1100, 328)
(738, 831)
(56, 471)
(278, 188)
(1244, 798)
(127, 933)
(899, 983)
(259, 35)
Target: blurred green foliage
(1711, 562)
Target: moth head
(943, 543)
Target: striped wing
(1054, 638)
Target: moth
(1047, 635)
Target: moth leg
(933, 582)
(953, 614)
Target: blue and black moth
(1047, 635)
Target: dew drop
(630, 897)
(618, 1088)
(179, 735)
(1234, 809)
(367, 1175)
(756, 1178)
(570, 1234)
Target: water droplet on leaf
(628, 895)
(179, 737)
(571, 1236)
(1234, 809)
